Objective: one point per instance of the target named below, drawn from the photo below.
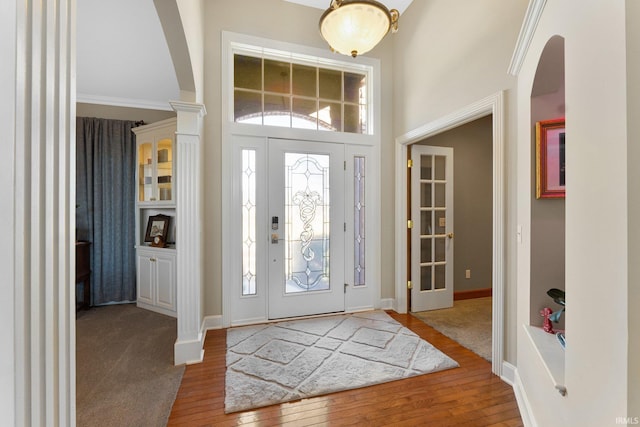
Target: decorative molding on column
(189, 224)
(43, 207)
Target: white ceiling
(122, 56)
(400, 5)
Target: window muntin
(287, 94)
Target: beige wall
(472, 201)
(633, 159)
(122, 113)
(448, 55)
(282, 21)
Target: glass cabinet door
(165, 168)
(155, 170)
(145, 172)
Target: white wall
(283, 21)
(192, 15)
(448, 55)
(7, 256)
(596, 238)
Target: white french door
(432, 232)
(306, 228)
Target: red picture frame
(550, 159)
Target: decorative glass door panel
(307, 222)
(306, 268)
(432, 233)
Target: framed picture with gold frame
(550, 159)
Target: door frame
(494, 105)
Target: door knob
(450, 235)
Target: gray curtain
(105, 205)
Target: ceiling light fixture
(354, 27)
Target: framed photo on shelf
(550, 159)
(157, 228)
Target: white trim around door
(494, 105)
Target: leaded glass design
(307, 222)
(249, 222)
(281, 93)
(359, 221)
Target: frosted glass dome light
(354, 27)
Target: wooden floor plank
(469, 395)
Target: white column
(189, 223)
(38, 203)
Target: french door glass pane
(425, 194)
(307, 222)
(425, 250)
(440, 276)
(425, 167)
(425, 278)
(440, 193)
(441, 170)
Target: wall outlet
(467, 274)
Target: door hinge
(345, 165)
(409, 284)
(345, 226)
(409, 224)
(410, 163)
(345, 287)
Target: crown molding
(527, 31)
(123, 102)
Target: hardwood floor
(466, 396)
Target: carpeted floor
(286, 361)
(468, 322)
(124, 367)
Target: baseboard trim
(508, 373)
(523, 401)
(188, 352)
(473, 293)
(211, 322)
(388, 304)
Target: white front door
(306, 228)
(432, 232)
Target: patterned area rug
(281, 362)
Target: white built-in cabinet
(157, 280)
(155, 195)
